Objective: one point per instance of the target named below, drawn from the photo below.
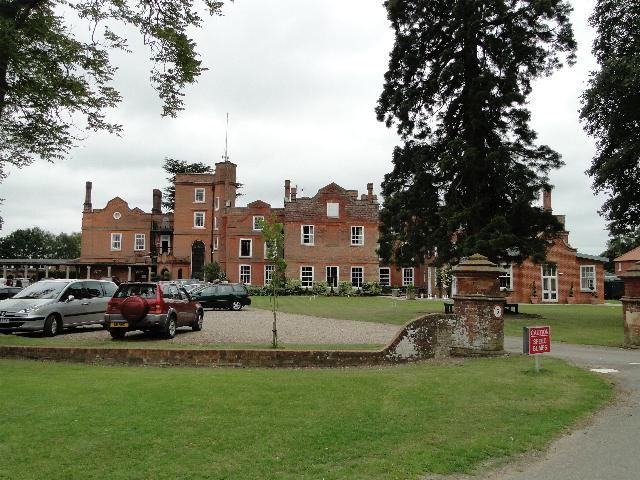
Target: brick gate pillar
(631, 306)
(480, 305)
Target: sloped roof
(630, 256)
(595, 258)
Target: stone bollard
(631, 306)
(480, 305)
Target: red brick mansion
(331, 237)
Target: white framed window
(384, 276)
(587, 278)
(357, 235)
(333, 209)
(198, 195)
(245, 274)
(268, 273)
(357, 276)
(198, 219)
(506, 277)
(306, 234)
(306, 276)
(138, 243)
(116, 241)
(258, 220)
(333, 276)
(215, 223)
(215, 243)
(407, 276)
(216, 203)
(246, 247)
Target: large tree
(466, 176)
(611, 113)
(173, 167)
(38, 243)
(55, 75)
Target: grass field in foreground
(64, 421)
(581, 324)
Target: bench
(508, 307)
(448, 306)
(511, 307)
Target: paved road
(608, 448)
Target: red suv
(154, 306)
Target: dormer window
(199, 195)
(258, 221)
(333, 209)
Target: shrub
(293, 287)
(345, 289)
(371, 288)
(319, 288)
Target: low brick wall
(434, 335)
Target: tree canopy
(173, 167)
(468, 172)
(56, 83)
(38, 243)
(611, 113)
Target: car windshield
(42, 290)
(140, 290)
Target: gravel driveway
(253, 326)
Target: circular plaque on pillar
(497, 311)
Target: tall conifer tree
(468, 170)
(611, 113)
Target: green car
(232, 296)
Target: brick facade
(329, 237)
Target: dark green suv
(233, 296)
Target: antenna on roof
(225, 157)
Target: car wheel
(117, 333)
(52, 326)
(197, 324)
(236, 305)
(169, 330)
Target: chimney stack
(87, 197)
(546, 199)
(287, 190)
(294, 192)
(157, 201)
(370, 191)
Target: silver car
(52, 305)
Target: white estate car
(52, 305)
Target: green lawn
(64, 421)
(581, 324)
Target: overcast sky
(300, 81)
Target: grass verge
(579, 324)
(61, 421)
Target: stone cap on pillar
(477, 275)
(631, 281)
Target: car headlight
(28, 309)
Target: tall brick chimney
(369, 191)
(287, 190)
(546, 199)
(294, 193)
(87, 197)
(157, 201)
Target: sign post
(536, 340)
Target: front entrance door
(332, 276)
(549, 283)
(197, 259)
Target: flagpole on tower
(225, 157)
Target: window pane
(306, 276)
(356, 276)
(385, 277)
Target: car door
(97, 302)
(206, 296)
(188, 311)
(224, 296)
(72, 305)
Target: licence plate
(119, 324)
(4, 320)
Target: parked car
(233, 296)
(53, 305)
(152, 306)
(8, 292)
